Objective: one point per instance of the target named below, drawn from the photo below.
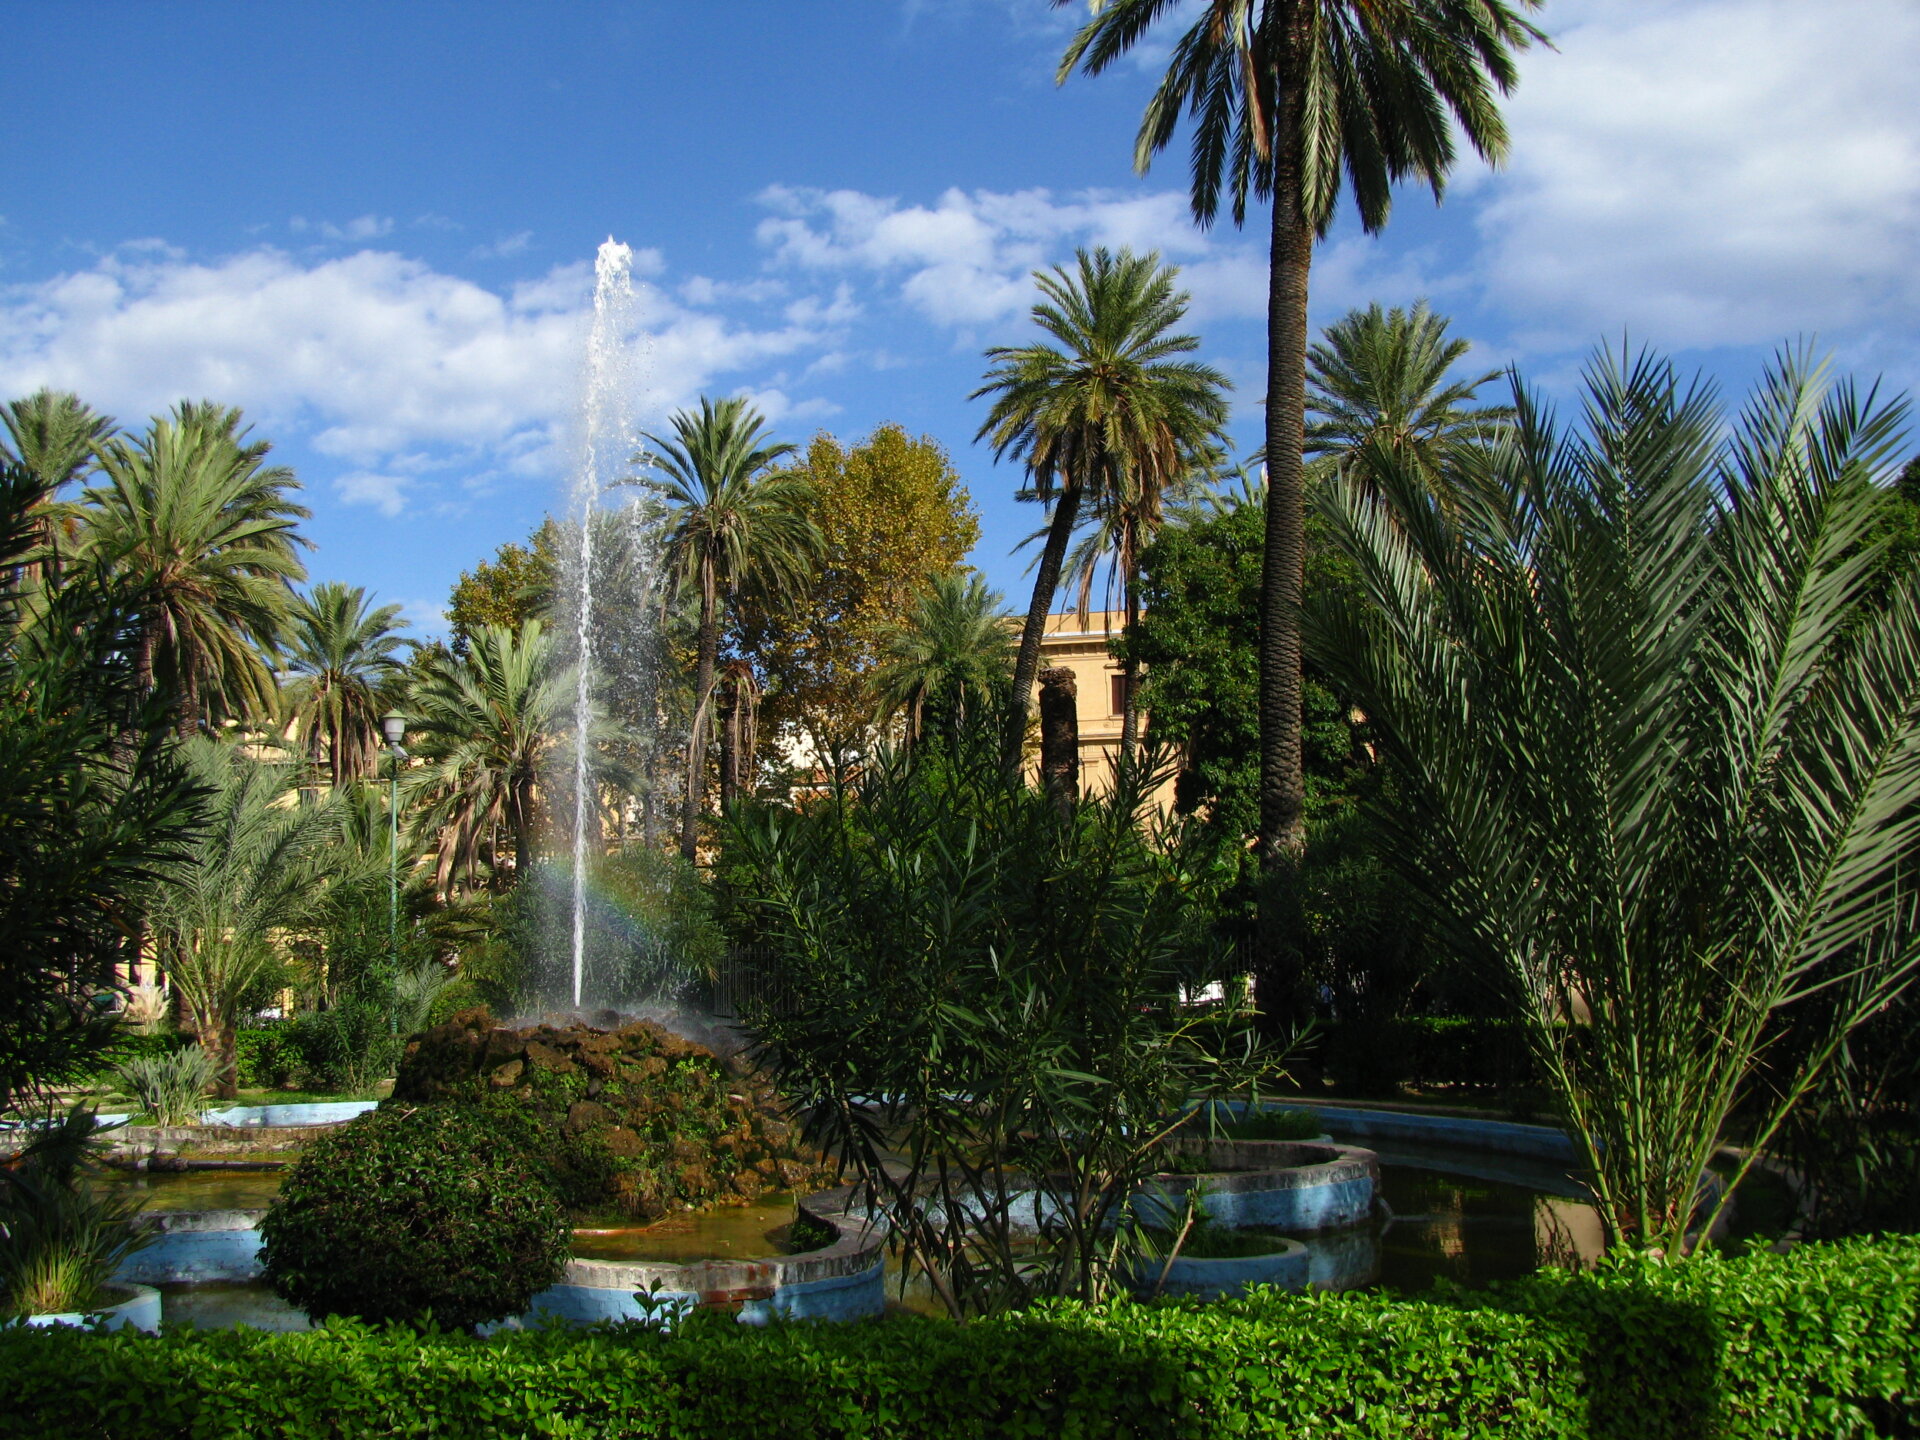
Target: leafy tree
(193, 524)
(342, 655)
(1380, 380)
(94, 809)
(261, 869)
(508, 590)
(1658, 764)
(1198, 641)
(953, 656)
(1288, 98)
(892, 515)
(729, 522)
(482, 727)
(1107, 415)
(973, 995)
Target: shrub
(1819, 1342)
(1275, 1125)
(346, 1048)
(170, 1087)
(405, 1212)
(62, 1234)
(268, 1057)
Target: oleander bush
(407, 1212)
(1819, 1342)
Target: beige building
(1101, 687)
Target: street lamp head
(394, 727)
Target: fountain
(606, 443)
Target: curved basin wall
(843, 1281)
(1284, 1184)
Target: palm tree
(1656, 730)
(1286, 98)
(1123, 526)
(261, 867)
(56, 437)
(1378, 384)
(729, 522)
(1108, 413)
(192, 522)
(341, 654)
(953, 650)
(482, 726)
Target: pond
(1464, 1216)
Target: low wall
(843, 1281)
(196, 1246)
(1296, 1185)
(1502, 1137)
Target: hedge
(1819, 1342)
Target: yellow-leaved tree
(894, 514)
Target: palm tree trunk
(1282, 785)
(702, 696)
(1130, 669)
(1045, 582)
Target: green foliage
(1817, 1343)
(951, 659)
(340, 656)
(94, 806)
(507, 591)
(1198, 641)
(1379, 1054)
(345, 1048)
(1657, 744)
(170, 1087)
(263, 868)
(892, 515)
(63, 1231)
(649, 936)
(402, 1213)
(968, 994)
(1274, 1125)
(267, 1058)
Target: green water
(734, 1232)
(204, 1189)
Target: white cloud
(1711, 173)
(505, 246)
(393, 368)
(386, 493)
(965, 259)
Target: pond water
(1460, 1215)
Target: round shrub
(405, 1211)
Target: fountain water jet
(607, 440)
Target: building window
(1118, 690)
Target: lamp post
(394, 726)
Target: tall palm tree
(340, 654)
(1657, 734)
(56, 436)
(482, 726)
(193, 522)
(954, 651)
(260, 868)
(1380, 388)
(1123, 526)
(1108, 412)
(1289, 98)
(729, 522)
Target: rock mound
(636, 1121)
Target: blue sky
(372, 225)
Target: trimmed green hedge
(1820, 1342)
